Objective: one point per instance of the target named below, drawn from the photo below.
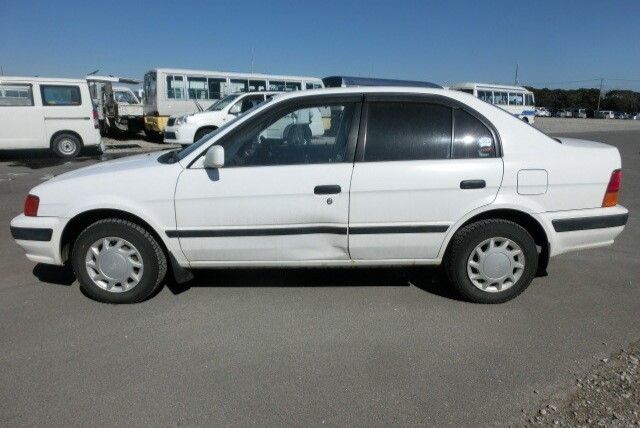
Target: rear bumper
(582, 229)
(39, 237)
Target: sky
(555, 43)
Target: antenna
(515, 81)
(252, 58)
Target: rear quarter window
(471, 138)
(60, 95)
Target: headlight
(181, 120)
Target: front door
(281, 197)
(422, 166)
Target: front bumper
(182, 134)
(39, 237)
(582, 229)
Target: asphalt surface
(313, 347)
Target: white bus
(170, 92)
(515, 99)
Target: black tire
(466, 240)
(202, 132)
(66, 146)
(153, 136)
(153, 259)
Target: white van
(38, 112)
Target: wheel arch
(520, 217)
(211, 128)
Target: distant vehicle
(414, 176)
(542, 112)
(190, 128)
(564, 113)
(352, 81)
(173, 92)
(635, 116)
(579, 113)
(119, 110)
(51, 113)
(605, 114)
(621, 115)
(515, 99)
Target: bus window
(500, 98)
(175, 87)
(516, 99)
(528, 98)
(293, 86)
(238, 85)
(486, 96)
(276, 85)
(257, 85)
(197, 88)
(313, 86)
(217, 88)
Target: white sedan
(399, 176)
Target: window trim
(300, 102)
(45, 85)
(419, 98)
(30, 85)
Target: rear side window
(15, 95)
(471, 138)
(60, 95)
(407, 131)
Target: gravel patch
(609, 396)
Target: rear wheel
(117, 261)
(491, 261)
(66, 146)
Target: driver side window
(313, 134)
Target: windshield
(222, 103)
(190, 149)
(125, 97)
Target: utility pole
(252, 57)
(1, 71)
(515, 81)
(600, 94)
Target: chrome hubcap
(114, 264)
(495, 264)
(67, 146)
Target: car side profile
(48, 113)
(399, 176)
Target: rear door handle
(473, 184)
(327, 189)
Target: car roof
(40, 79)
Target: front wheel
(117, 261)
(491, 261)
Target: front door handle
(473, 184)
(327, 189)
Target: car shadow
(429, 279)
(59, 275)
(37, 159)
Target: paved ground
(333, 347)
(557, 124)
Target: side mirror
(235, 109)
(214, 157)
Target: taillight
(613, 188)
(96, 122)
(31, 205)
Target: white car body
(388, 213)
(542, 112)
(183, 129)
(26, 122)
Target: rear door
(21, 124)
(421, 164)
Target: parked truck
(119, 109)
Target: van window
(516, 99)
(407, 131)
(293, 86)
(292, 137)
(500, 98)
(16, 95)
(217, 87)
(486, 96)
(197, 87)
(257, 85)
(60, 95)
(471, 139)
(528, 100)
(238, 85)
(175, 87)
